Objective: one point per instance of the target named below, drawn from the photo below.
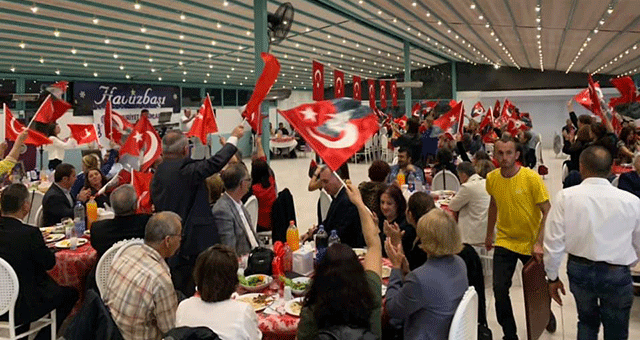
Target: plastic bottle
(92, 212)
(321, 243)
(411, 182)
(293, 238)
(79, 218)
(400, 178)
(287, 260)
(334, 238)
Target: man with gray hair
(179, 186)
(229, 214)
(471, 202)
(125, 225)
(140, 295)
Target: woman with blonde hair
(427, 298)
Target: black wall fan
(279, 23)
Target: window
(191, 97)
(216, 96)
(7, 88)
(230, 97)
(243, 97)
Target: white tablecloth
(285, 145)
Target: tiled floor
(292, 174)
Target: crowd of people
(184, 272)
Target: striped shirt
(140, 294)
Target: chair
(126, 244)
(36, 203)
(9, 288)
(565, 171)
(325, 202)
(252, 207)
(465, 321)
(616, 181)
(366, 151)
(445, 180)
(539, 153)
(385, 153)
(104, 266)
(375, 146)
(38, 218)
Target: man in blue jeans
(598, 225)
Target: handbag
(484, 332)
(259, 261)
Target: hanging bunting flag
(338, 84)
(335, 129)
(394, 93)
(318, 81)
(357, 91)
(268, 77)
(383, 94)
(372, 93)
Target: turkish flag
(58, 89)
(338, 84)
(401, 121)
(115, 125)
(394, 93)
(507, 110)
(383, 94)
(12, 128)
(335, 129)
(143, 136)
(83, 133)
(595, 94)
(423, 107)
(627, 89)
(487, 120)
(357, 91)
(204, 123)
(141, 181)
(318, 81)
(252, 111)
(515, 125)
(496, 108)
(477, 110)
(372, 92)
(446, 121)
(51, 109)
(460, 119)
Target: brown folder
(537, 301)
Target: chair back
(9, 288)
(104, 265)
(445, 180)
(252, 207)
(36, 203)
(38, 222)
(465, 321)
(539, 152)
(325, 202)
(126, 244)
(616, 181)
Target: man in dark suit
(23, 247)
(342, 215)
(229, 214)
(179, 186)
(57, 203)
(125, 225)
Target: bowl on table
(256, 282)
(300, 285)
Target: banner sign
(90, 96)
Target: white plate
(384, 290)
(248, 298)
(53, 238)
(290, 309)
(360, 251)
(301, 279)
(66, 244)
(87, 232)
(386, 272)
(266, 279)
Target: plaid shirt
(140, 294)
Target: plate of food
(56, 229)
(66, 244)
(386, 272)
(299, 285)
(360, 252)
(383, 290)
(444, 201)
(255, 283)
(87, 232)
(53, 238)
(293, 307)
(258, 301)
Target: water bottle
(333, 238)
(78, 220)
(411, 182)
(321, 243)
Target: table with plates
(283, 144)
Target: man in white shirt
(598, 225)
(471, 202)
(229, 215)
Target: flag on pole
(141, 181)
(115, 125)
(58, 89)
(318, 81)
(252, 111)
(595, 94)
(383, 94)
(627, 89)
(12, 128)
(335, 129)
(338, 84)
(478, 110)
(394, 93)
(143, 136)
(204, 123)
(372, 93)
(357, 90)
(83, 133)
(50, 110)
(446, 121)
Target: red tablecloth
(619, 169)
(72, 268)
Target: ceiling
(198, 41)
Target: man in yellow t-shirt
(518, 210)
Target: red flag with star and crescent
(143, 137)
(383, 94)
(204, 123)
(141, 181)
(51, 109)
(446, 121)
(627, 89)
(338, 84)
(252, 111)
(115, 125)
(58, 89)
(318, 81)
(487, 120)
(12, 128)
(478, 110)
(83, 133)
(372, 92)
(394, 93)
(357, 90)
(335, 129)
(595, 94)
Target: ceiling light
(395, 20)
(150, 60)
(208, 74)
(56, 33)
(181, 36)
(147, 46)
(248, 32)
(159, 78)
(115, 56)
(180, 63)
(13, 69)
(480, 17)
(595, 31)
(414, 4)
(95, 74)
(34, 9)
(439, 22)
(153, 70)
(137, 6)
(122, 67)
(73, 51)
(225, 3)
(181, 51)
(143, 29)
(41, 60)
(107, 41)
(22, 44)
(85, 64)
(610, 10)
(210, 66)
(218, 25)
(96, 21)
(127, 76)
(57, 72)
(182, 16)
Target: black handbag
(484, 333)
(259, 261)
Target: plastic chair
(445, 180)
(252, 207)
(104, 265)
(616, 181)
(9, 288)
(366, 151)
(565, 171)
(325, 202)
(36, 203)
(38, 218)
(464, 325)
(385, 153)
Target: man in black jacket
(179, 186)
(24, 248)
(125, 225)
(57, 203)
(342, 215)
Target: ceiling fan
(279, 23)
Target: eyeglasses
(247, 179)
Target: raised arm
(15, 150)
(373, 258)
